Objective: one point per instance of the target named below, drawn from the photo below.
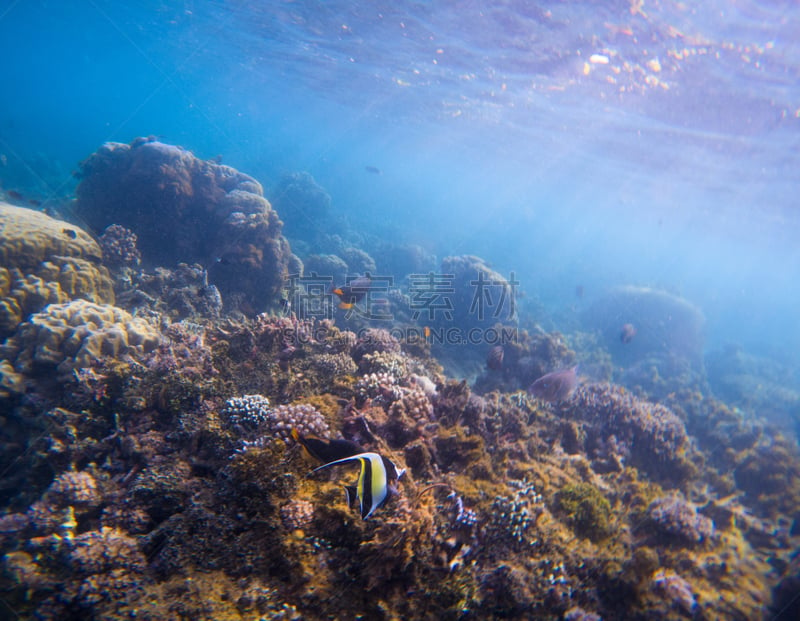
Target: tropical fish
(327, 451)
(373, 169)
(627, 332)
(494, 360)
(375, 481)
(354, 291)
(556, 386)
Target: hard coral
(253, 415)
(375, 340)
(653, 437)
(184, 209)
(77, 335)
(45, 261)
(673, 516)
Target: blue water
(668, 159)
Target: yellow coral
(78, 333)
(45, 261)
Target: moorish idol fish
(375, 481)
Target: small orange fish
(354, 291)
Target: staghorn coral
(414, 404)
(247, 413)
(513, 516)
(673, 516)
(45, 261)
(334, 365)
(392, 363)
(77, 335)
(379, 388)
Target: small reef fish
(494, 360)
(376, 481)
(373, 169)
(327, 451)
(627, 332)
(556, 386)
(354, 291)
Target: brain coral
(76, 334)
(184, 209)
(44, 261)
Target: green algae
(586, 509)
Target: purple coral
(669, 584)
(253, 415)
(675, 517)
(653, 433)
(375, 340)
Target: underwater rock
(303, 204)
(666, 325)
(77, 335)
(326, 265)
(375, 340)
(44, 261)
(358, 261)
(404, 259)
(188, 210)
(479, 296)
(675, 589)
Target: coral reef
(188, 210)
(619, 428)
(148, 468)
(45, 261)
